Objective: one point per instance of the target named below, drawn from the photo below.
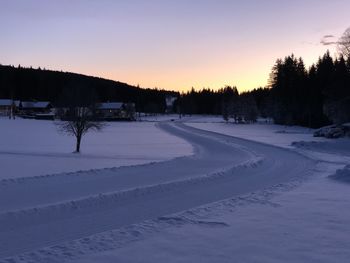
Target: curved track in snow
(45, 211)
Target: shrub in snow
(333, 131)
(342, 174)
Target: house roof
(8, 102)
(110, 105)
(35, 104)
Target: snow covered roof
(36, 104)
(111, 105)
(7, 102)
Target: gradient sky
(170, 44)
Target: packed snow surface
(287, 223)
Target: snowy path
(46, 211)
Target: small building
(114, 111)
(36, 109)
(110, 109)
(9, 107)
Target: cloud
(328, 43)
(328, 36)
(328, 40)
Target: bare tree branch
(78, 115)
(344, 44)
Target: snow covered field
(296, 138)
(233, 200)
(32, 147)
(279, 135)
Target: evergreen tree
(229, 96)
(288, 83)
(338, 93)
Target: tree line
(310, 97)
(226, 101)
(20, 83)
(315, 96)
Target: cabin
(8, 107)
(110, 109)
(115, 111)
(36, 109)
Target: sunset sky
(170, 44)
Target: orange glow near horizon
(193, 79)
(244, 74)
(244, 83)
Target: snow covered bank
(339, 146)
(342, 175)
(334, 131)
(32, 147)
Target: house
(35, 106)
(35, 109)
(116, 111)
(8, 107)
(110, 109)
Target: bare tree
(78, 113)
(78, 122)
(344, 44)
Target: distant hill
(38, 84)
